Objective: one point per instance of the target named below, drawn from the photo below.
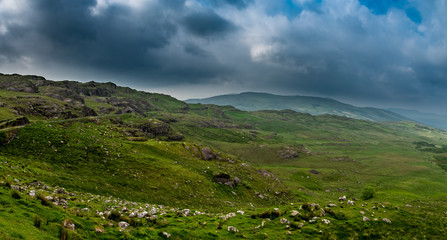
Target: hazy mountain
(251, 101)
(432, 119)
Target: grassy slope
(349, 153)
(403, 161)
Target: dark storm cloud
(383, 51)
(207, 24)
(117, 39)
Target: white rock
(32, 193)
(232, 229)
(229, 215)
(386, 220)
(325, 221)
(186, 212)
(366, 219)
(284, 221)
(167, 235)
(351, 202)
(142, 214)
(123, 225)
(241, 212)
(342, 198)
(295, 213)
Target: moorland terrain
(98, 161)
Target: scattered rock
(314, 171)
(59, 191)
(284, 221)
(325, 221)
(350, 202)
(237, 180)
(343, 198)
(142, 214)
(295, 213)
(222, 178)
(167, 235)
(68, 224)
(123, 225)
(232, 229)
(208, 154)
(229, 215)
(241, 212)
(366, 219)
(99, 229)
(32, 193)
(386, 220)
(288, 153)
(186, 212)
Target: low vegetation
(98, 161)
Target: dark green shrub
(37, 221)
(115, 216)
(16, 194)
(368, 193)
(162, 223)
(43, 200)
(219, 225)
(3, 138)
(135, 222)
(265, 214)
(65, 234)
(276, 213)
(295, 225)
(125, 218)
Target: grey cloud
(241, 4)
(195, 50)
(341, 51)
(207, 24)
(118, 42)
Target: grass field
(191, 166)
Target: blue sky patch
(380, 7)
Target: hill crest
(255, 101)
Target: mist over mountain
(252, 101)
(431, 119)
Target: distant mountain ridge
(431, 119)
(253, 101)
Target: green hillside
(251, 101)
(99, 161)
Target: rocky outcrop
(224, 178)
(208, 154)
(14, 123)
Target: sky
(383, 53)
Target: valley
(99, 161)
